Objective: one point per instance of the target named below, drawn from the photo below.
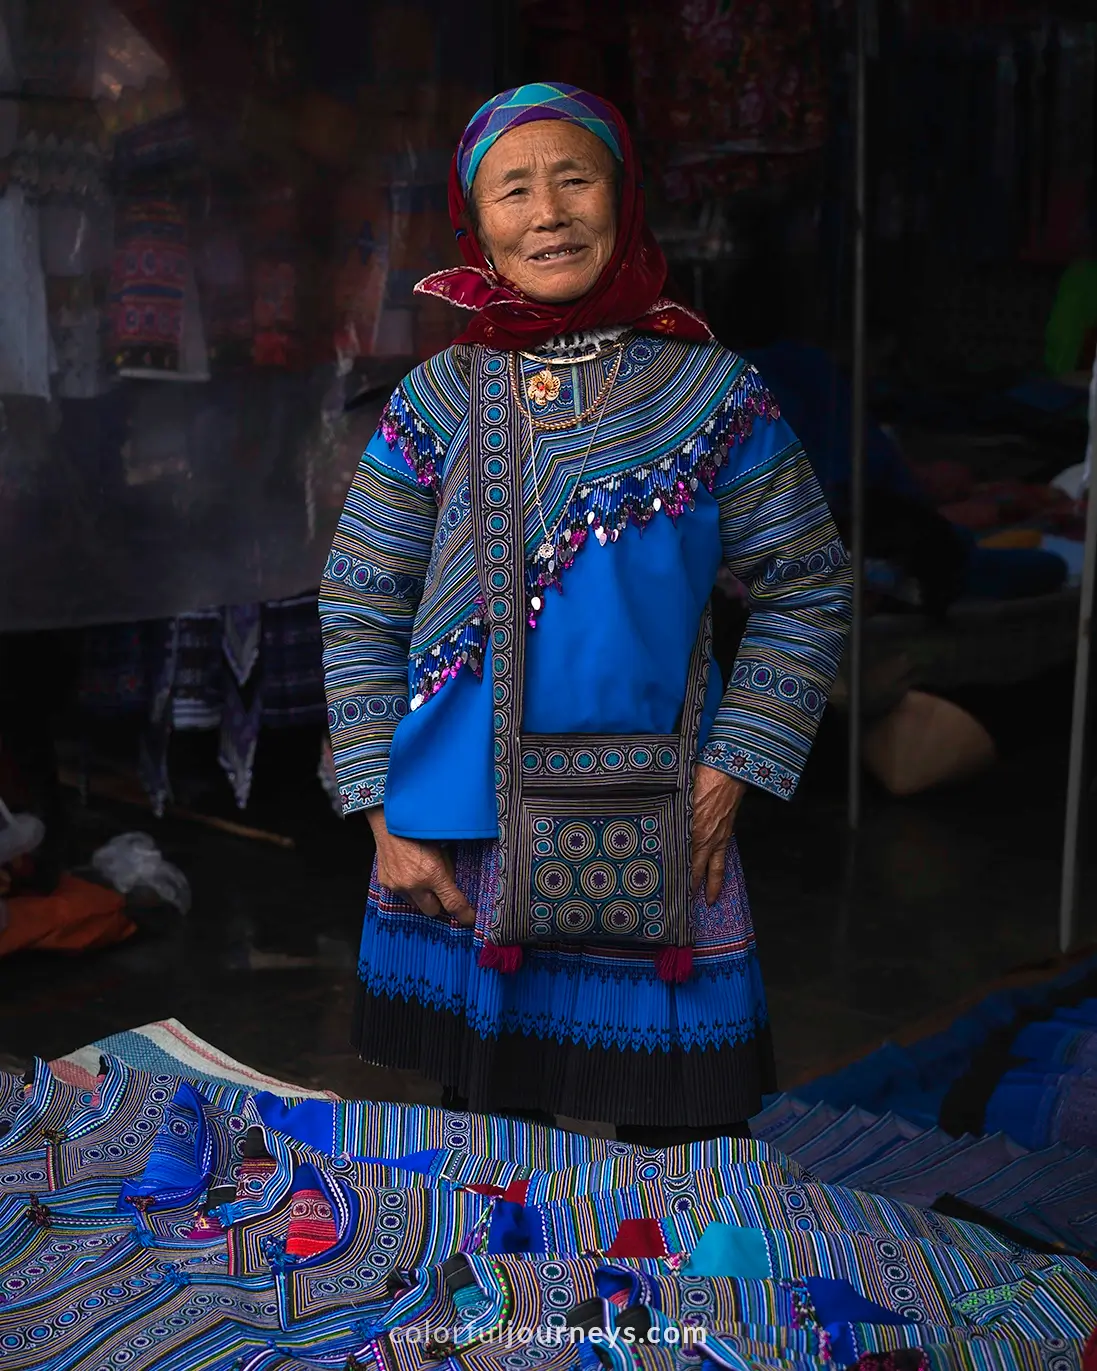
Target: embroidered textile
(596, 866)
(729, 97)
(580, 1031)
(148, 281)
(346, 1266)
(682, 420)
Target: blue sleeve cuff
(367, 793)
(750, 767)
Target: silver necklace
(546, 552)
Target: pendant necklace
(546, 551)
(544, 387)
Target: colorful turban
(527, 105)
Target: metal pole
(1068, 901)
(857, 452)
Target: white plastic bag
(19, 834)
(132, 860)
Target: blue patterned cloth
(526, 105)
(344, 1234)
(1051, 1095)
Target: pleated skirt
(585, 1032)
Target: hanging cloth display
(24, 334)
(156, 326)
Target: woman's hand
(420, 871)
(716, 801)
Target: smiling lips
(558, 253)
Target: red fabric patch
(311, 1225)
(638, 1238)
(515, 1192)
(205, 1229)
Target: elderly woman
(522, 697)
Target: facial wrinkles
(547, 213)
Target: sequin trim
(603, 509)
(600, 508)
(430, 670)
(418, 444)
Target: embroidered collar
(590, 341)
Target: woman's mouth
(558, 254)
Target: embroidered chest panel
(625, 435)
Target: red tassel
(505, 960)
(674, 964)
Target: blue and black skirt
(584, 1032)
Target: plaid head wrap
(526, 105)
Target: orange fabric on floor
(1014, 538)
(77, 917)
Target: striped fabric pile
(190, 1222)
(1047, 1196)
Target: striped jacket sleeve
(780, 541)
(369, 596)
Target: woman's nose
(548, 207)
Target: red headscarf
(629, 290)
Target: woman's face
(546, 205)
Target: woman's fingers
(702, 849)
(454, 902)
(426, 901)
(423, 874)
(443, 901)
(451, 895)
(716, 800)
(436, 893)
(715, 878)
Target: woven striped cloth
(170, 1048)
(340, 1235)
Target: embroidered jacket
(641, 435)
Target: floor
(937, 897)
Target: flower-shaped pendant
(543, 388)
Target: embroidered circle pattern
(596, 877)
(495, 468)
